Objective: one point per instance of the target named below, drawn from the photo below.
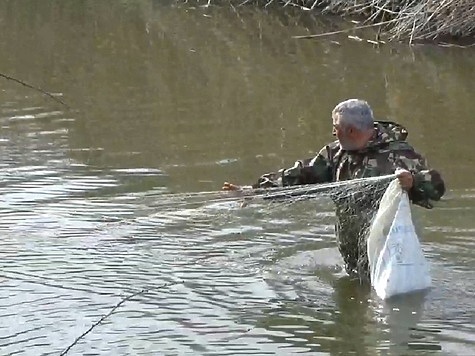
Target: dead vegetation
(399, 19)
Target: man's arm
(307, 171)
(427, 184)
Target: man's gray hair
(354, 112)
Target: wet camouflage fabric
(386, 152)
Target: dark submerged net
(356, 203)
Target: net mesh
(356, 202)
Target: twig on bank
(34, 88)
(268, 3)
(444, 44)
(244, 2)
(345, 30)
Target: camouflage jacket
(386, 152)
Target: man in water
(364, 148)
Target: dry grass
(404, 19)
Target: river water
(118, 193)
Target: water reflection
(400, 316)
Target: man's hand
(230, 186)
(406, 180)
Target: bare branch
(101, 320)
(35, 88)
(345, 30)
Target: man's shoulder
(334, 145)
(399, 149)
(400, 146)
(330, 149)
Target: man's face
(343, 134)
(350, 138)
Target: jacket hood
(386, 132)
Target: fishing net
(355, 204)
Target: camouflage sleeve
(428, 183)
(306, 171)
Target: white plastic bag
(396, 260)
